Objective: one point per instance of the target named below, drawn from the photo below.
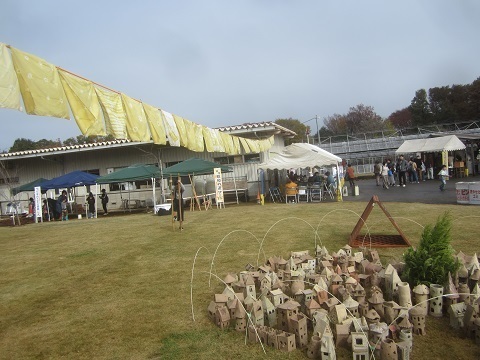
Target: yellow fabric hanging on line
(253, 144)
(194, 135)
(113, 113)
(40, 86)
(136, 121)
(227, 143)
(9, 87)
(236, 145)
(246, 148)
(170, 129)
(213, 140)
(83, 101)
(181, 130)
(155, 122)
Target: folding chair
(328, 190)
(302, 194)
(291, 192)
(316, 193)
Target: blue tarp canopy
(73, 179)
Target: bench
(241, 187)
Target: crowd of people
(413, 170)
(58, 209)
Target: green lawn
(119, 287)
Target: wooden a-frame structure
(377, 240)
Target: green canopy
(28, 187)
(194, 166)
(131, 173)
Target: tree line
(437, 106)
(23, 144)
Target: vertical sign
(217, 174)
(38, 204)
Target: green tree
(22, 144)
(420, 109)
(296, 126)
(359, 119)
(434, 258)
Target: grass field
(119, 287)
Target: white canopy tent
(436, 144)
(301, 156)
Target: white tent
(444, 143)
(301, 155)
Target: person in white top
(443, 175)
(385, 175)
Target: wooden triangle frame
(356, 240)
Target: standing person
(384, 173)
(391, 173)
(178, 205)
(377, 170)
(443, 175)
(418, 161)
(91, 205)
(402, 166)
(412, 171)
(351, 175)
(104, 198)
(62, 201)
(31, 207)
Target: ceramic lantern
(436, 300)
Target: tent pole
(154, 197)
(171, 201)
(180, 205)
(235, 185)
(96, 202)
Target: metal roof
(254, 127)
(245, 129)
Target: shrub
(434, 258)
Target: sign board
(217, 174)
(38, 204)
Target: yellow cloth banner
(194, 135)
(113, 113)
(136, 121)
(213, 140)
(155, 123)
(227, 143)
(181, 130)
(9, 88)
(236, 145)
(246, 148)
(40, 86)
(83, 101)
(253, 144)
(170, 128)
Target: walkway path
(426, 192)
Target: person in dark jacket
(104, 198)
(91, 205)
(402, 166)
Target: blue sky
(229, 62)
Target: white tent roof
(300, 155)
(449, 143)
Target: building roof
(246, 130)
(252, 128)
(69, 149)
